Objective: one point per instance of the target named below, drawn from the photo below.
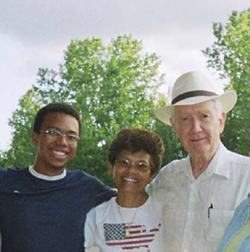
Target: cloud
(34, 34)
(54, 20)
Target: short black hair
(134, 140)
(55, 107)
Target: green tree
(113, 87)
(230, 56)
(21, 150)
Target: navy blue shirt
(37, 215)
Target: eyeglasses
(126, 163)
(55, 134)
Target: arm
(102, 192)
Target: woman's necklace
(127, 230)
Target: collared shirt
(198, 211)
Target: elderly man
(201, 191)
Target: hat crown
(192, 88)
(190, 82)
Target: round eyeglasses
(126, 163)
(55, 134)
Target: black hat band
(192, 94)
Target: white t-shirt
(106, 226)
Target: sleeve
(102, 192)
(89, 230)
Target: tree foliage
(230, 56)
(113, 87)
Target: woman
(132, 220)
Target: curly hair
(134, 140)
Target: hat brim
(228, 101)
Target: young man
(43, 207)
(201, 191)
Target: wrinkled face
(54, 152)
(132, 172)
(198, 127)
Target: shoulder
(104, 206)
(82, 177)
(3, 173)
(231, 157)
(90, 185)
(238, 166)
(238, 158)
(155, 204)
(175, 165)
(12, 172)
(100, 211)
(10, 177)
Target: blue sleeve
(102, 192)
(3, 173)
(239, 219)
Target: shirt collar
(216, 166)
(45, 177)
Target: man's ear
(34, 137)
(222, 121)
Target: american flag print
(115, 235)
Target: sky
(34, 34)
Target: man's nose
(62, 139)
(196, 125)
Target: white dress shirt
(198, 211)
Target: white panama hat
(192, 88)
